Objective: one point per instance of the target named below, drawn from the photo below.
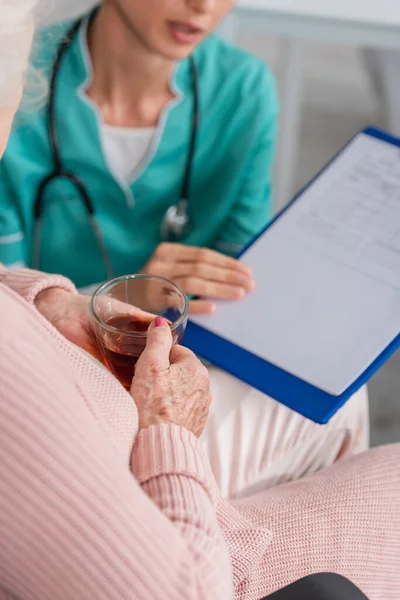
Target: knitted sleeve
(28, 283)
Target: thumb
(158, 346)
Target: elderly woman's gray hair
(16, 25)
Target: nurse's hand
(201, 272)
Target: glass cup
(123, 309)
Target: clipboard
(294, 392)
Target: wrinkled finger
(180, 354)
(111, 307)
(195, 286)
(186, 359)
(156, 355)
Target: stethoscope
(176, 221)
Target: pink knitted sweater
(92, 509)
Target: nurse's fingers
(202, 307)
(209, 272)
(182, 253)
(195, 286)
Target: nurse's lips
(185, 33)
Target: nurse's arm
(253, 208)
(13, 249)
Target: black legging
(324, 586)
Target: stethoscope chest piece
(176, 222)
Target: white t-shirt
(125, 148)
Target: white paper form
(327, 301)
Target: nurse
(160, 141)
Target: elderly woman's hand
(170, 384)
(70, 314)
(201, 272)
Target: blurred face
(172, 28)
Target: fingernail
(213, 308)
(241, 293)
(159, 322)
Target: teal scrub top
(230, 196)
